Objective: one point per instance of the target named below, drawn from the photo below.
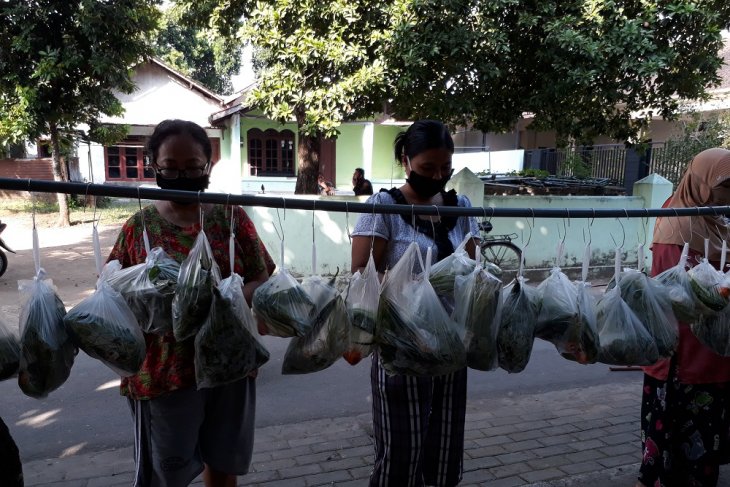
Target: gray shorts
(176, 434)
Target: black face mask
(426, 187)
(184, 184)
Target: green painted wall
(349, 153)
(383, 160)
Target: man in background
(361, 186)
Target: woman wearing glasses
(181, 431)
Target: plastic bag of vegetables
(328, 337)
(562, 322)
(714, 332)
(199, 273)
(228, 346)
(686, 305)
(103, 326)
(651, 303)
(47, 352)
(520, 309)
(361, 301)
(444, 272)
(711, 286)
(623, 337)
(148, 288)
(9, 352)
(283, 305)
(478, 310)
(415, 335)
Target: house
(249, 150)
(264, 153)
(162, 93)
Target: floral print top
(169, 364)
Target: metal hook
(623, 232)
(433, 226)
(347, 223)
(644, 227)
(529, 237)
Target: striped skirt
(418, 425)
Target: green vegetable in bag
(624, 339)
(478, 310)
(283, 305)
(415, 335)
(444, 272)
(9, 352)
(47, 353)
(710, 286)
(520, 308)
(227, 347)
(194, 292)
(714, 332)
(323, 345)
(650, 302)
(103, 326)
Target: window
(271, 153)
(127, 163)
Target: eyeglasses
(193, 172)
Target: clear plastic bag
(415, 335)
(283, 305)
(710, 286)
(328, 337)
(9, 352)
(623, 337)
(478, 309)
(444, 272)
(685, 304)
(650, 302)
(520, 309)
(103, 326)
(361, 300)
(228, 346)
(714, 332)
(47, 352)
(563, 322)
(199, 273)
(148, 288)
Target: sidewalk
(571, 438)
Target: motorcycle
(3, 246)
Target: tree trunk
(308, 155)
(59, 174)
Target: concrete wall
(333, 246)
(494, 162)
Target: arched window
(270, 152)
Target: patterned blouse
(169, 364)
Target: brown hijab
(701, 185)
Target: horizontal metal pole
(43, 186)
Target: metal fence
(603, 161)
(668, 161)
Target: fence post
(534, 159)
(654, 190)
(469, 184)
(636, 167)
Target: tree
(198, 53)
(581, 67)
(60, 63)
(319, 64)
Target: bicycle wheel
(504, 255)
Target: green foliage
(580, 67)
(697, 132)
(197, 52)
(60, 62)
(574, 165)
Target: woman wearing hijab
(685, 408)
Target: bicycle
(500, 251)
